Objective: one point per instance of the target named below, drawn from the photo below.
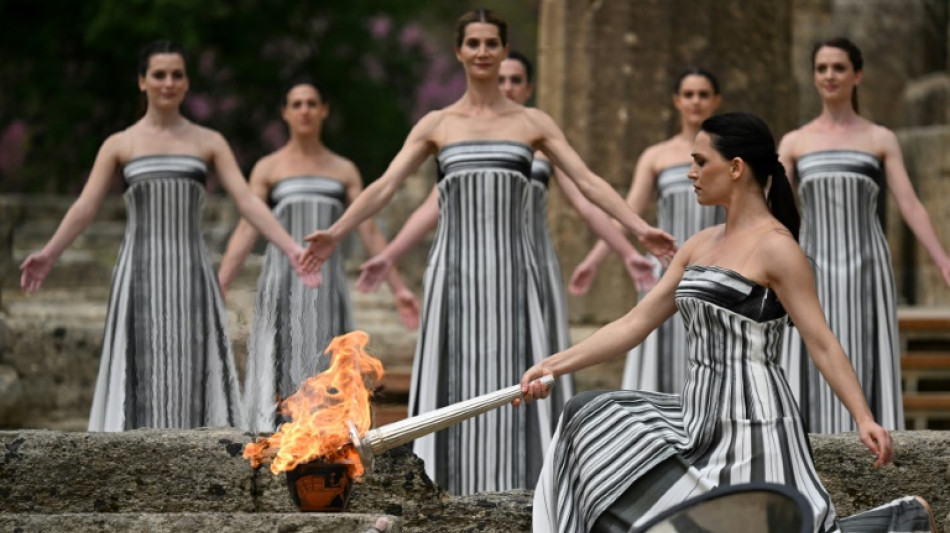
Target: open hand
(582, 278)
(321, 247)
(408, 307)
(642, 270)
(35, 269)
(373, 272)
(310, 278)
(659, 243)
(878, 440)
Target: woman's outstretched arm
(638, 267)
(415, 150)
(38, 265)
(555, 146)
(244, 236)
(790, 276)
(421, 222)
(616, 338)
(909, 204)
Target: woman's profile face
(482, 51)
(709, 171)
(304, 110)
(513, 80)
(165, 82)
(696, 99)
(835, 77)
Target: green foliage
(69, 71)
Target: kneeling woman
(623, 457)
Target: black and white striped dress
(482, 325)
(293, 324)
(841, 234)
(622, 457)
(551, 290)
(166, 358)
(659, 363)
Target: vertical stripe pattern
(735, 422)
(630, 455)
(482, 325)
(842, 236)
(550, 284)
(293, 324)
(659, 364)
(166, 359)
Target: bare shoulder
(263, 171)
(347, 168)
(117, 146)
(537, 117)
(427, 127)
(788, 146)
(883, 138)
(778, 252)
(699, 241)
(207, 136)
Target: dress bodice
(164, 198)
(160, 166)
(484, 155)
(734, 331)
(307, 187)
(841, 179)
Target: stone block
(927, 100)
(120, 475)
(201, 522)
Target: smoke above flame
(321, 409)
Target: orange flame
(320, 409)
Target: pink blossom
(13, 144)
(379, 26)
(199, 106)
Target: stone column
(606, 70)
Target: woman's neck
(838, 113)
(307, 144)
(747, 208)
(482, 93)
(162, 119)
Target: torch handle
(398, 433)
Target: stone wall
(154, 473)
(606, 71)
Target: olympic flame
(321, 410)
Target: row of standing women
(486, 313)
(166, 357)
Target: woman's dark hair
(528, 67)
(158, 47)
(480, 15)
(854, 56)
(696, 71)
(748, 137)
(304, 80)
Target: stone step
(162, 471)
(221, 522)
(201, 471)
